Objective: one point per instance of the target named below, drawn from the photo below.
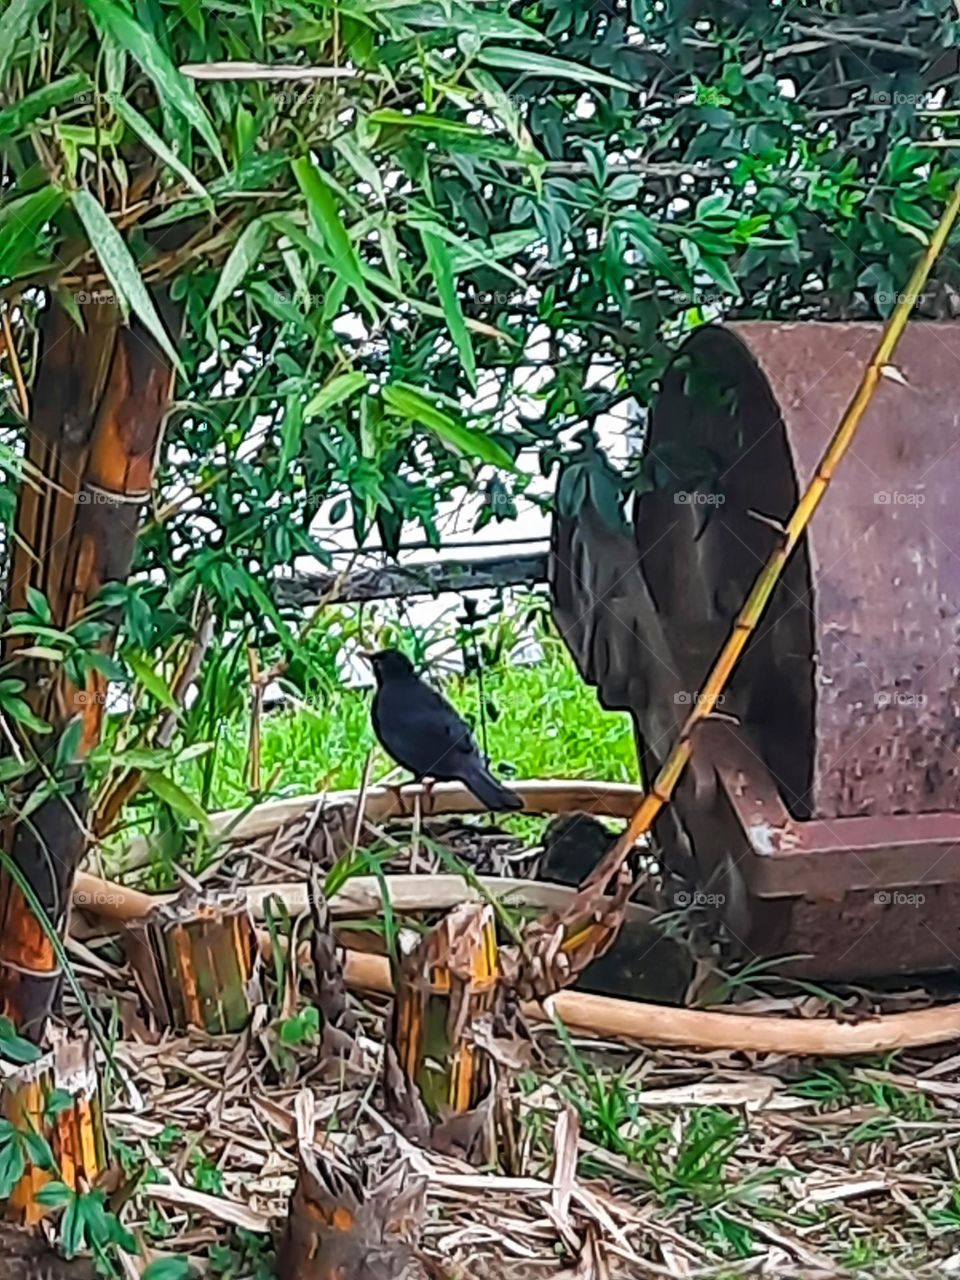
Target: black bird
(423, 733)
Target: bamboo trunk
(100, 398)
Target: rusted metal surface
(825, 818)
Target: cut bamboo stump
(196, 961)
(445, 983)
(75, 1132)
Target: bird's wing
(422, 731)
(435, 720)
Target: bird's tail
(491, 793)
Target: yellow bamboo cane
(666, 780)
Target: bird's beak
(367, 654)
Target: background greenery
(412, 278)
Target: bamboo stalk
(99, 403)
(606, 1016)
(664, 785)
(360, 896)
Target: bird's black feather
(422, 732)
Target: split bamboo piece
(554, 795)
(665, 783)
(75, 1134)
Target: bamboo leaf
(423, 120)
(39, 606)
(541, 64)
(464, 254)
(151, 680)
(292, 432)
(69, 744)
(145, 131)
(406, 401)
(18, 17)
(120, 268)
(174, 89)
(495, 26)
(719, 272)
(326, 218)
(172, 794)
(21, 225)
(438, 260)
(16, 118)
(246, 253)
(338, 389)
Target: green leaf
(169, 1269)
(53, 1195)
(72, 1232)
(495, 26)
(718, 271)
(328, 223)
(291, 432)
(22, 222)
(13, 1165)
(151, 680)
(438, 262)
(173, 794)
(16, 118)
(103, 663)
(15, 22)
(246, 253)
(58, 1102)
(145, 131)
(408, 402)
(541, 64)
(13, 1046)
(37, 603)
(423, 120)
(21, 711)
(38, 1149)
(174, 89)
(338, 389)
(69, 744)
(120, 268)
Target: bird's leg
(428, 785)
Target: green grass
(548, 725)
